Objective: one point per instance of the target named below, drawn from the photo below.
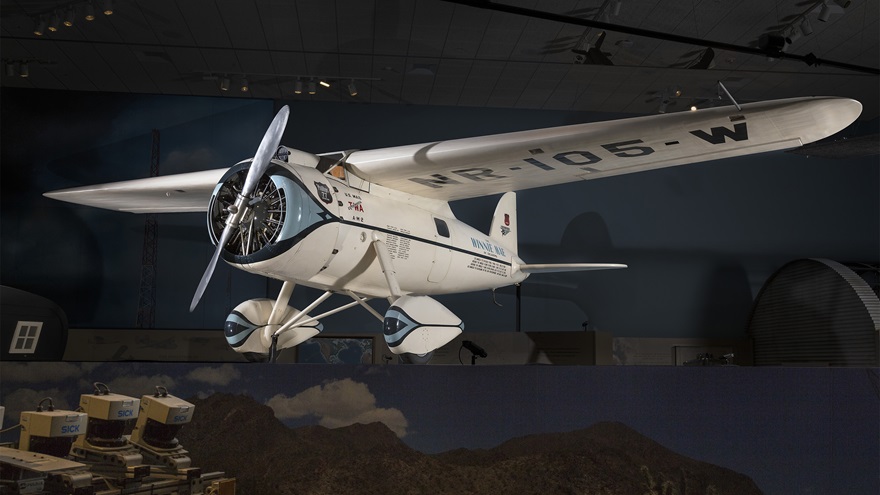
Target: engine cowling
(419, 325)
(280, 215)
(247, 330)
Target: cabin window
(442, 228)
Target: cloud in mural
(338, 403)
(223, 375)
(138, 385)
(39, 372)
(26, 399)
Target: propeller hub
(258, 220)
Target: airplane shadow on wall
(686, 293)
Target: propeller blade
(267, 148)
(203, 284)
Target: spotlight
(40, 26)
(298, 87)
(663, 105)
(693, 108)
(56, 21)
(825, 13)
(617, 5)
(108, 7)
(476, 350)
(793, 34)
(224, 84)
(352, 89)
(772, 44)
(70, 17)
(90, 12)
(10, 69)
(324, 83)
(23, 70)
(244, 85)
(806, 27)
(312, 87)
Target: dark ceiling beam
(769, 51)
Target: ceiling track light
(56, 21)
(806, 27)
(792, 34)
(65, 14)
(825, 13)
(18, 68)
(299, 81)
(70, 17)
(40, 26)
(664, 105)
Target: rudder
(504, 226)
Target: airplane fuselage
(332, 247)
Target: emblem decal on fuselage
(282, 153)
(323, 192)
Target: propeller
(258, 167)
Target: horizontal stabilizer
(568, 267)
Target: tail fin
(503, 230)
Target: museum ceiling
(432, 52)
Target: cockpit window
(442, 228)
(338, 171)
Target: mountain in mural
(243, 438)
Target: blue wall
(700, 239)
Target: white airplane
(377, 223)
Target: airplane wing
(482, 166)
(179, 193)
